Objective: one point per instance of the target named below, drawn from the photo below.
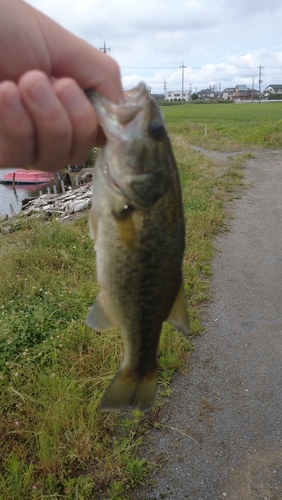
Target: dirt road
(230, 402)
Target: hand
(46, 119)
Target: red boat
(23, 176)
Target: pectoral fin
(97, 318)
(178, 315)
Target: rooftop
(243, 88)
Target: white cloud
(219, 42)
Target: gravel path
(222, 428)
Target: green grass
(55, 442)
(227, 127)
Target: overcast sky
(222, 43)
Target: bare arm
(46, 120)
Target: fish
(137, 223)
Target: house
(228, 93)
(243, 93)
(209, 95)
(273, 89)
(175, 95)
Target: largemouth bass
(137, 223)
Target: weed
(116, 491)
(20, 477)
(135, 470)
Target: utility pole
(105, 49)
(260, 80)
(253, 83)
(182, 81)
(164, 86)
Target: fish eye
(156, 129)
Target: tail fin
(127, 390)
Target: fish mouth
(124, 111)
(134, 95)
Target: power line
(149, 67)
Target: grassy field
(227, 127)
(55, 442)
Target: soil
(221, 431)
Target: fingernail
(41, 94)
(13, 101)
(72, 98)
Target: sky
(221, 43)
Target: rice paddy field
(228, 127)
(55, 441)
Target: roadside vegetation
(55, 442)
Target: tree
(194, 97)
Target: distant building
(158, 97)
(238, 93)
(243, 93)
(228, 93)
(209, 95)
(273, 89)
(175, 95)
